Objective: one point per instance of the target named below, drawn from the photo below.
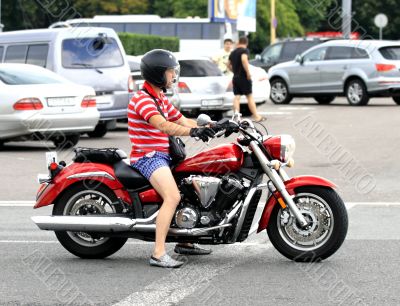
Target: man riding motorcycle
(148, 132)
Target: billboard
(242, 12)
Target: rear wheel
(356, 93)
(280, 92)
(216, 115)
(324, 100)
(99, 131)
(88, 200)
(328, 222)
(396, 99)
(66, 142)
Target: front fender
(291, 186)
(81, 172)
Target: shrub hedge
(138, 44)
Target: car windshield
(391, 53)
(94, 52)
(198, 68)
(23, 76)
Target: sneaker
(191, 250)
(165, 261)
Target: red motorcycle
(100, 200)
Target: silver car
(202, 87)
(85, 55)
(357, 69)
(37, 104)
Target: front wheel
(88, 200)
(396, 99)
(327, 229)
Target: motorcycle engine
(205, 198)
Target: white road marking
(290, 108)
(194, 276)
(17, 203)
(274, 113)
(56, 241)
(348, 204)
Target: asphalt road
(355, 147)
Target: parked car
(137, 81)
(202, 87)
(261, 89)
(356, 69)
(37, 104)
(283, 51)
(85, 55)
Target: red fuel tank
(218, 160)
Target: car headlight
(280, 147)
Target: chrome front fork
(278, 183)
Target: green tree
(288, 23)
(312, 12)
(365, 12)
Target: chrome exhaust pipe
(84, 223)
(111, 224)
(93, 223)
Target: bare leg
(236, 104)
(164, 183)
(253, 107)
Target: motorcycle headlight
(280, 147)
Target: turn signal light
(53, 166)
(88, 101)
(183, 88)
(384, 67)
(28, 104)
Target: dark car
(283, 51)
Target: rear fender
(86, 173)
(291, 186)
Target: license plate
(104, 99)
(61, 101)
(214, 102)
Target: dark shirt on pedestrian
(236, 61)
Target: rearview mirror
(258, 57)
(299, 59)
(203, 120)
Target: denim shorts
(149, 163)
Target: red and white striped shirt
(144, 137)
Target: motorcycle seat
(129, 177)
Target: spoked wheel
(356, 93)
(81, 200)
(280, 92)
(325, 233)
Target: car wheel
(66, 142)
(396, 99)
(324, 100)
(356, 93)
(280, 92)
(99, 131)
